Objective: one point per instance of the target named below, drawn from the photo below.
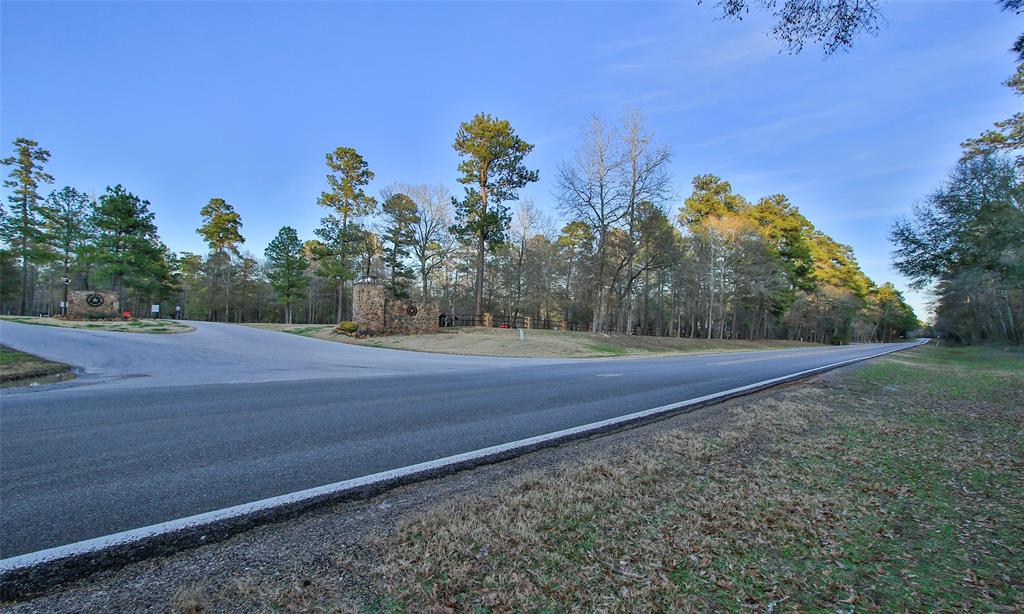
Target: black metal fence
(510, 321)
(446, 320)
(561, 325)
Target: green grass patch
(608, 348)
(16, 365)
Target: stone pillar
(528, 322)
(488, 320)
(369, 299)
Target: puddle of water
(39, 381)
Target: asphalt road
(165, 426)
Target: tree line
(624, 256)
(965, 240)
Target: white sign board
(154, 309)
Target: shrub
(345, 327)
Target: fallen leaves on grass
(898, 488)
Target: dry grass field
(536, 343)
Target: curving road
(164, 426)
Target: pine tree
(23, 229)
(222, 231)
(127, 249)
(349, 174)
(493, 171)
(400, 215)
(286, 267)
(67, 227)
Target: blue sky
(180, 102)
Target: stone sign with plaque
(92, 305)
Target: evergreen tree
(67, 228)
(400, 214)
(286, 267)
(127, 249)
(1008, 134)
(10, 283)
(493, 171)
(711, 197)
(23, 229)
(222, 231)
(349, 174)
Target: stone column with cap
(369, 298)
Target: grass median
(898, 485)
(120, 326)
(19, 366)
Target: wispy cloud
(623, 45)
(798, 126)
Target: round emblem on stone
(412, 310)
(94, 300)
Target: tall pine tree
(400, 215)
(23, 229)
(349, 174)
(286, 267)
(222, 230)
(493, 173)
(67, 228)
(127, 249)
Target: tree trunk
(24, 256)
(423, 277)
(227, 293)
(480, 246)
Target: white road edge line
(98, 544)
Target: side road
(223, 354)
(892, 484)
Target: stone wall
(92, 305)
(375, 311)
(407, 316)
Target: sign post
(155, 310)
(64, 303)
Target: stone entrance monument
(92, 305)
(375, 310)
